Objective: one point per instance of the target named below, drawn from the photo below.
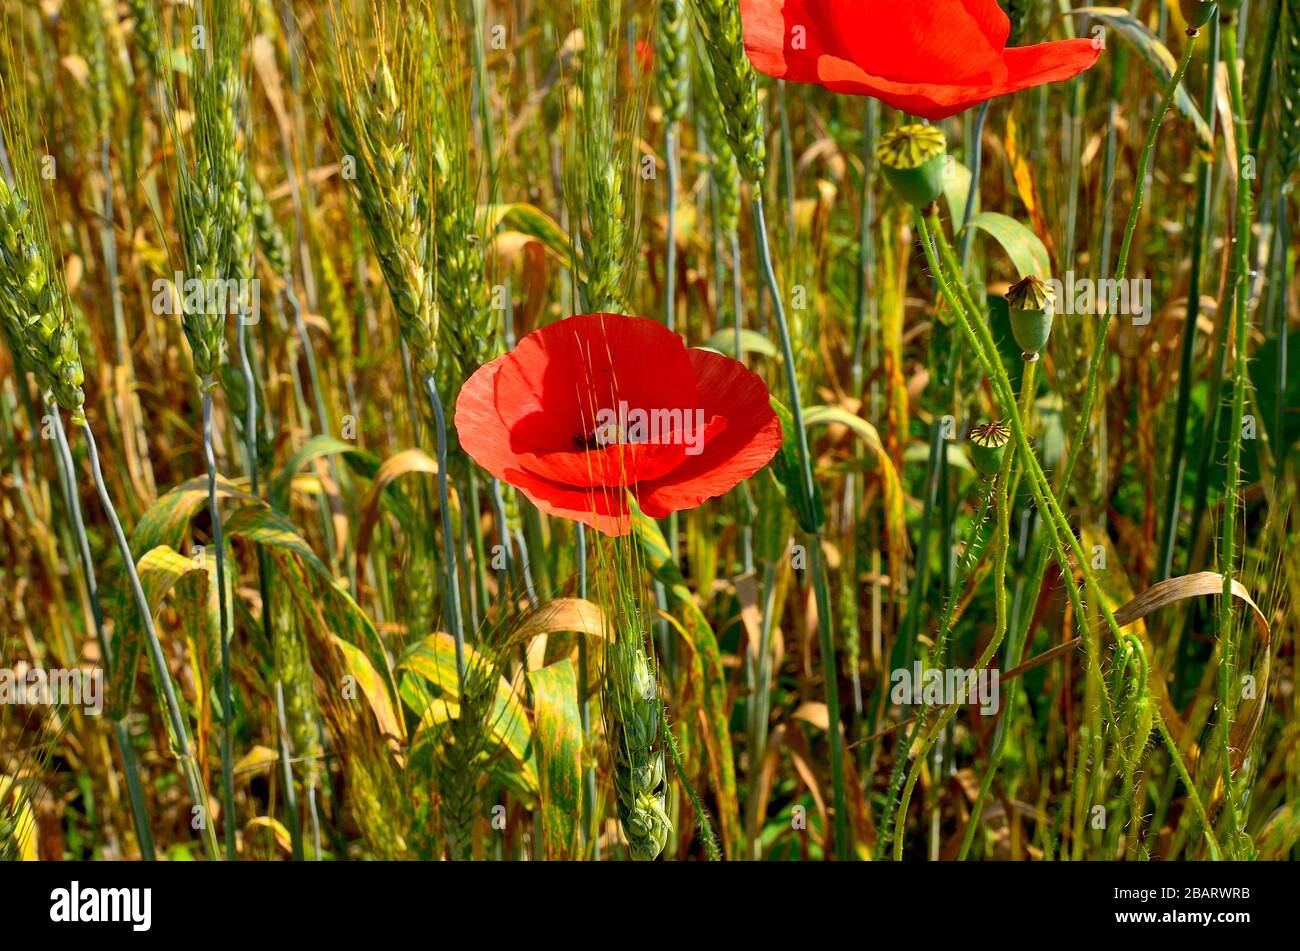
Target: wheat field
(566, 429)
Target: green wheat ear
(672, 58)
(735, 84)
(635, 714)
(270, 237)
(441, 143)
(33, 309)
(602, 177)
(144, 32)
(372, 130)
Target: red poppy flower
(589, 408)
(931, 58)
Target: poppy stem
(1232, 496)
(451, 569)
(1186, 365)
(825, 623)
(1121, 268)
(980, 339)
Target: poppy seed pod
(1033, 307)
(1197, 13)
(988, 443)
(912, 157)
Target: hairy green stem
(1121, 267)
(1232, 499)
(1200, 220)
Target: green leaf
(332, 610)
(1023, 247)
(751, 341)
(167, 521)
(785, 464)
(314, 448)
(559, 751)
(162, 569)
(532, 221)
(372, 687)
(1279, 834)
(434, 659)
(165, 524)
(826, 415)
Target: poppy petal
(562, 375)
(674, 462)
(604, 509)
(482, 431)
(751, 439)
(991, 20)
(932, 59)
(784, 39)
(904, 43)
(1048, 62)
(915, 42)
(610, 465)
(626, 463)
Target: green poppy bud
(988, 443)
(912, 157)
(1197, 13)
(1033, 307)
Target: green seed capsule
(1033, 308)
(912, 158)
(1197, 13)
(988, 443)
